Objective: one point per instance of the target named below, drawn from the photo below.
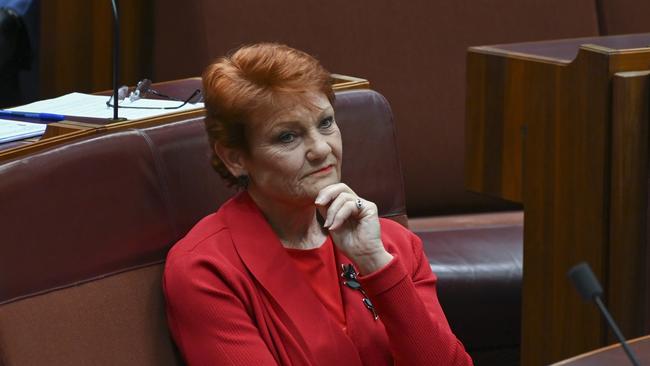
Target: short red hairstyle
(248, 80)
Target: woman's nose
(318, 147)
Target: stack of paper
(87, 105)
(17, 130)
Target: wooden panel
(497, 90)
(565, 164)
(628, 283)
(76, 44)
(554, 135)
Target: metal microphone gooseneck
(589, 288)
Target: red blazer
(234, 297)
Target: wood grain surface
(569, 141)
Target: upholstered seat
(86, 228)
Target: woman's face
(294, 150)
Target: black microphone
(589, 288)
(116, 59)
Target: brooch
(350, 280)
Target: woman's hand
(354, 225)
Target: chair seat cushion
(480, 275)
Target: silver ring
(359, 204)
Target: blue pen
(41, 116)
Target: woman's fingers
(336, 205)
(353, 224)
(329, 193)
(345, 211)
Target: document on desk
(17, 130)
(94, 106)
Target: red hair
(249, 80)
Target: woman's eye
(327, 122)
(286, 137)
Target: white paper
(94, 106)
(17, 130)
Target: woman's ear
(232, 158)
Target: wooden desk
(612, 355)
(73, 128)
(562, 127)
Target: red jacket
(234, 297)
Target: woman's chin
(322, 183)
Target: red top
(318, 265)
(233, 298)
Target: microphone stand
(116, 65)
(587, 284)
(616, 331)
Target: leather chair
(479, 265)
(86, 228)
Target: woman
(259, 282)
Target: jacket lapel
(263, 254)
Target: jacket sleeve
(207, 320)
(404, 295)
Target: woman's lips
(323, 170)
